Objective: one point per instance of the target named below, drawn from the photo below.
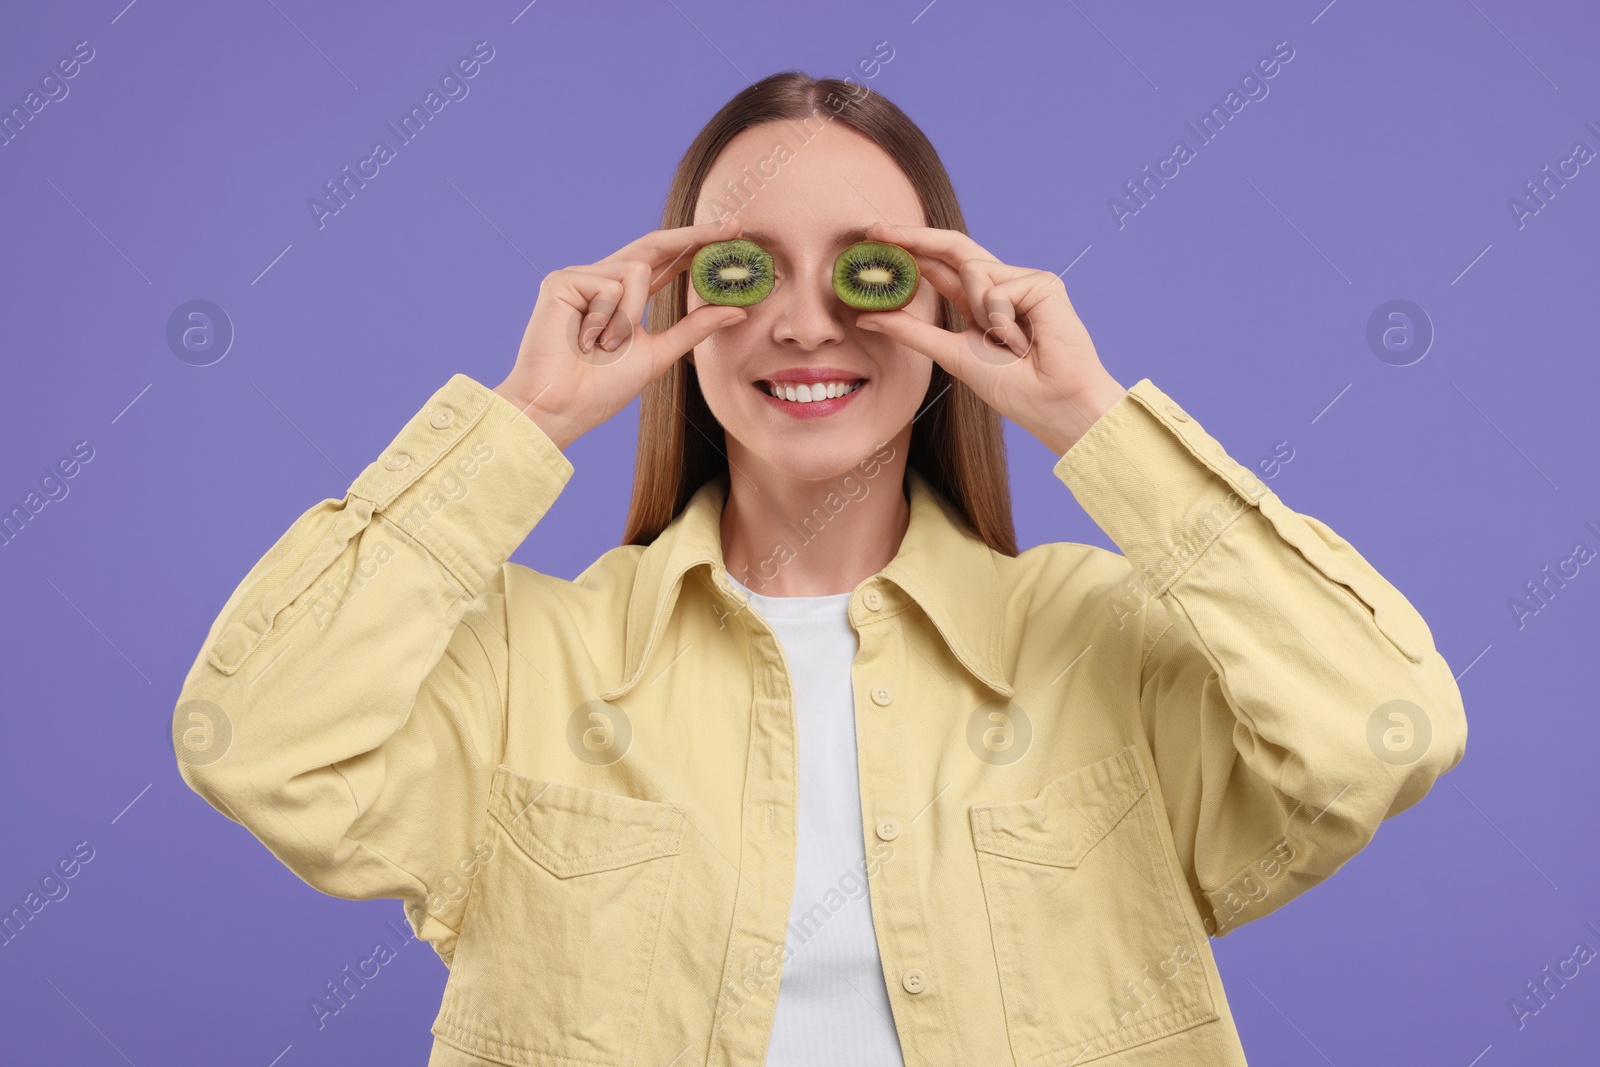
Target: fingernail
(612, 345)
(870, 324)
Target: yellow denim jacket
(1076, 766)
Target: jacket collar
(941, 566)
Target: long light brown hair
(956, 439)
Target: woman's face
(823, 194)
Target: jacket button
(881, 695)
(872, 599)
(888, 829)
(1178, 413)
(442, 418)
(914, 981)
(398, 461)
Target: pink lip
(816, 409)
(807, 375)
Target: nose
(808, 313)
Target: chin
(829, 461)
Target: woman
(817, 718)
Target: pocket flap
(262, 602)
(571, 829)
(1338, 561)
(1068, 817)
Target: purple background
(1378, 167)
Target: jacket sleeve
(348, 704)
(1291, 696)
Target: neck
(784, 536)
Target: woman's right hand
(564, 378)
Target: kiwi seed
(736, 272)
(875, 276)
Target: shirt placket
(885, 702)
(748, 990)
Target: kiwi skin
(879, 253)
(720, 254)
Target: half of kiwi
(737, 272)
(875, 276)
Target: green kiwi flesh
(874, 276)
(737, 272)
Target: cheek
(913, 373)
(714, 364)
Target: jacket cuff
(1159, 486)
(468, 477)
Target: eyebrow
(848, 235)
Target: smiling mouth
(810, 392)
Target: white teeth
(806, 394)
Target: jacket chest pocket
(560, 932)
(1093, 949)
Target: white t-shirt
(833, 1007)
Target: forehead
(794, 182)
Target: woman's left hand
(1024, 351)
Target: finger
(967, 287)
(978, 279)
(947, 283)
(950, 246)
(944, 347)
(622, 316)
(1003, 330)
(593, 297)
(950, 285)
(630, 310)
(1039, 295)
(668, 251)
(668, 346)
(612, 316)
(1031, 297)
(1007, 294)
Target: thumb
(667, 347)
(945, 348)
